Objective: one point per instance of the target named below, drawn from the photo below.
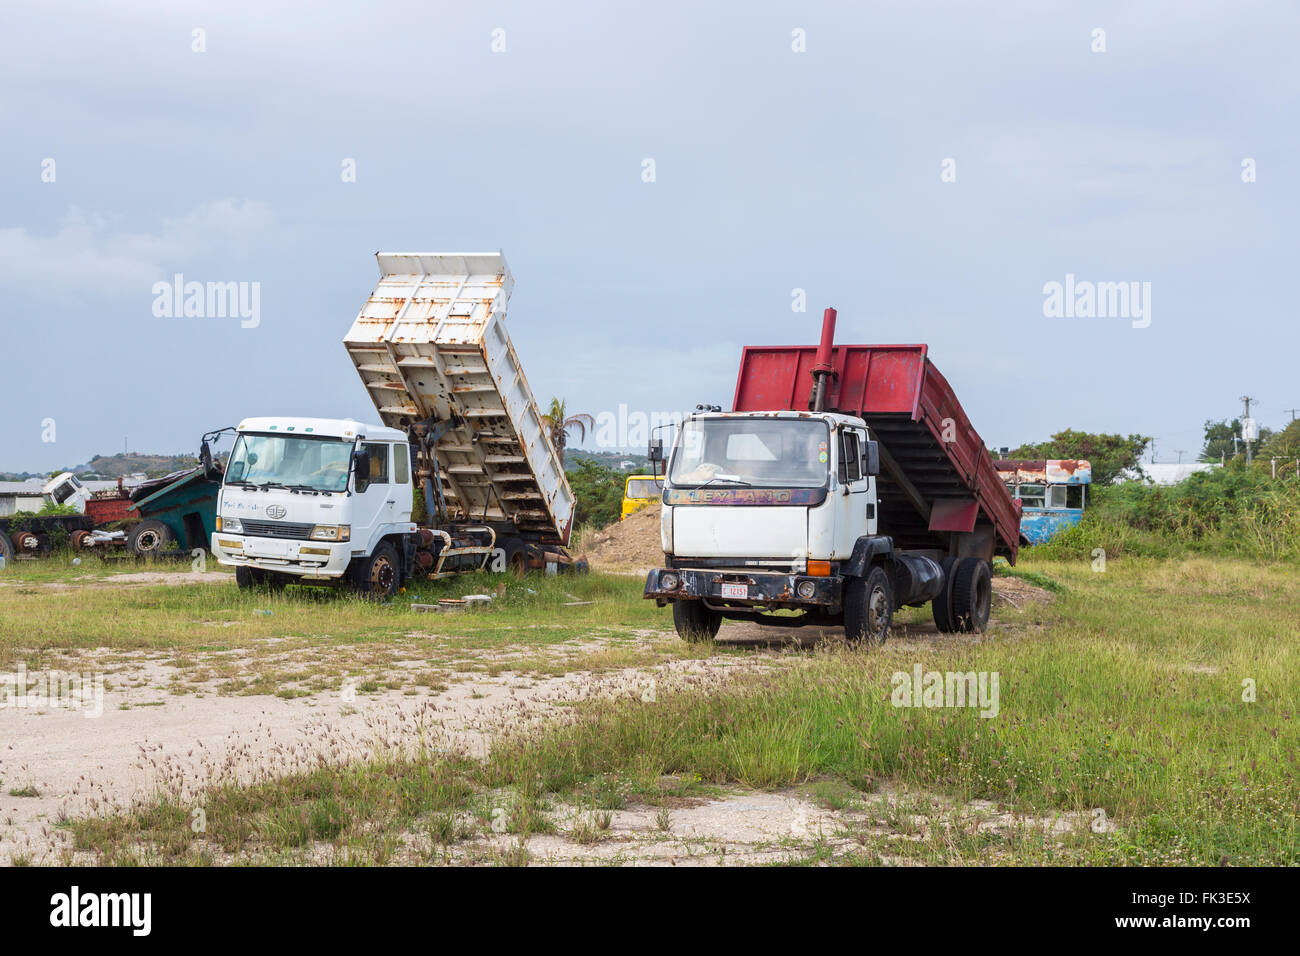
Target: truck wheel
(868, 608)
(248, 578)
(79, 539)
(379, 575)
(972, 595)
(695, 622)
(941, 606)
(516, 557)
(150, 537)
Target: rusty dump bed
(928, 487)
(432, 348)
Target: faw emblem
(275, 511)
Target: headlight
(669, 581)
(230, 525)
(331, 532)
(806, 589)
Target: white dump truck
(845, 483)
(331, 501)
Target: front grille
(277, 529)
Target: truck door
(855, 513)
(370, 505)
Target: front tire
(379, 575)
(248, 578)
(868, 608)
(695, 622)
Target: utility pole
(1292, 411)
(1181, 452)
(1247, 399)
(1153, 451)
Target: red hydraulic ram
(938, 488)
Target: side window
(378, 452)
(1033, 496)
(850, 457)
(1056, 495)
(401, 464)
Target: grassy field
(1125, 707)
(303, 640)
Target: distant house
(21, 496)
(1168, 473)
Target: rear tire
(379, 575)
(868, 608)
(695, 622)
(516, 557)
(941, 606)
(150, 538)
(972, 595)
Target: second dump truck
(323, 501)
(845, 483)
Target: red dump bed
(936, 477)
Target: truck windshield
(291, 460)
(760, 452)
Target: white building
(1169, 473)
(21, 496)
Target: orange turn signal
(819, 569)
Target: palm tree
(558, 421)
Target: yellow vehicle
(639, 491)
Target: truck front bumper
(774, 589)
(311, 560)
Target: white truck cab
(776, 512)
(316, 499)
(66, 489)
(811, 474)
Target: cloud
(86, 252)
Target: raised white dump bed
(431, 345)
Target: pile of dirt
(630, 544)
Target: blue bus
(1052, 493)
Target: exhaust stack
(822, 371)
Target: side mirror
(361, 467)
(655, 451)
(871, 458)
(205, 458)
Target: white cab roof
(345, 428)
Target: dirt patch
(629, 545)
(136, 741)
(1018, 592)
(130, 579)
(744, 828)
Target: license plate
(735, 590)
(261, 548)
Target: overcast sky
(774, 170)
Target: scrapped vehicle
(639, 491)
(330, 501)
(876, 494)
(1052, 493)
